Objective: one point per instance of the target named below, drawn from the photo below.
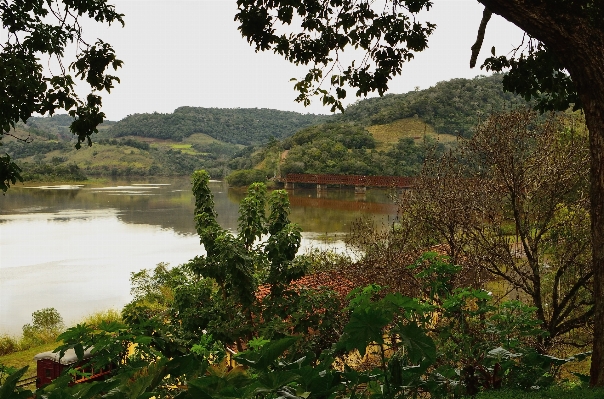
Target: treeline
(240, 125)
(279, 142)
(141, 145)
(452, 107)
(53, 172)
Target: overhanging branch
(486, 16)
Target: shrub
(246, 177)
(8, 345)
(317, 260)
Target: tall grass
(107, 316)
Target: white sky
(190, 53)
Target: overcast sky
(189, 53)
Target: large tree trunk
(579, 46)
(593, 104)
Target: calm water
(73, 247)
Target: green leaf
(274, 380)
(267, 355)
(420, 347)
(365, 326)
(9, 389)
(143, 340)
(79, 350)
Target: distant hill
(451, 107)
(389, 135)
(57, 126)
(247, 126)
(150, 144)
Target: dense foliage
(350, 135)
(56, 126)
(53, 172)
(35, 33)
(240, 126)
(449, 343)
(245, 177)
(337, 148)
(20, 150)
(343, 146)
(326, 155)
(217, 292)
(452, 107)
(512, 202)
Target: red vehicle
(49, 367)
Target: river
(73, 247)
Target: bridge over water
(360, 182)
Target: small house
(50, 367)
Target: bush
(317, 260)
(8, 345)
(246, 177)
(52, 172)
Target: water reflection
(73, 247)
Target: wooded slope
(451, 107)
(247, 126)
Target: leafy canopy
(36, 32)
(389, 37)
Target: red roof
(335, 281)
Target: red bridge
(348, 180)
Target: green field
(389, 134)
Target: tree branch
(486, 16)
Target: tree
(218, 292)
(36, 29)
(563, 64)
(512, 200)
(46, 325)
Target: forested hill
(390, 135)
(451, 107)
(247, 126)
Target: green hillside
(149, 144)
(390, 135)
(46, 151)
(451, 107)
(247, 126)
(415, 129)
(396, 149)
